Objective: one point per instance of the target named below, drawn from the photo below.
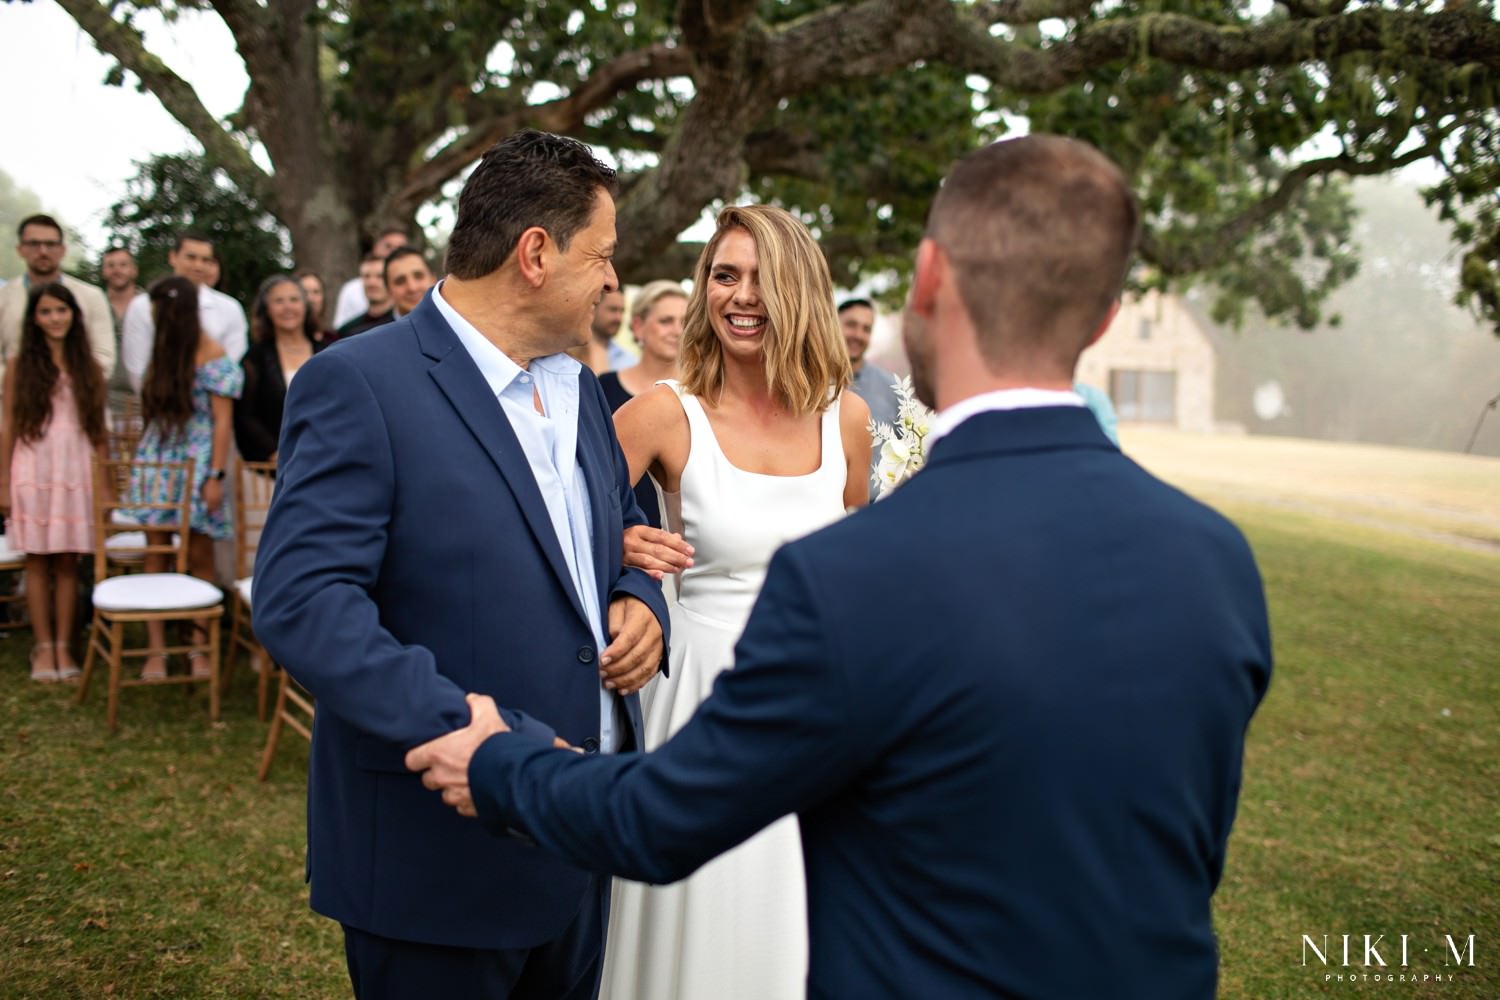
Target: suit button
(585, 654)
(591, 745)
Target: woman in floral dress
(187, 401)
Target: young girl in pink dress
(54, 421)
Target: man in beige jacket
(42, 248)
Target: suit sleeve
(635, 582)
(321, 553)
(776, 736)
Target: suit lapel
(459, 380)
(593, 458)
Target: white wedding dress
(737, 928)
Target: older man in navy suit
(1008, 704)
(448, 519)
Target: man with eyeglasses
(42, 247)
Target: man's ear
(531, 256)
(930, 268)
(1109, 317)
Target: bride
(757, 445)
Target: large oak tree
(1232, 117)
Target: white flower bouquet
(902, 444)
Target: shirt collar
(495, 365)
(1001, 399)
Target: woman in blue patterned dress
(187, 403)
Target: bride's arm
(654, 436)
(854, 428)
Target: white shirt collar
(1000, 399)
(494, 364)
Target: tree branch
(880, 36)
(1031, 11)
(176, 95)
(1458, 37)
(1208, 249)
(659, 61)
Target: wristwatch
(216, 474)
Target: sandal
(200, 667)
(67, 672)
(155, 667)
(44, 675)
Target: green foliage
(867, 198)
(16, 203)
(1220, 157)
(1467, 198)
(175, 192)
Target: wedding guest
(312, 288)
(42, 246)
(604, 354)
(285, 337)
(1008, 703)
(872, 382)
(220, 317)
(354, 300)
(379, 311)
(407, 278)
(757, 445)
(53, 425)
(119, 270)
(1097, 400)
(656, 321)
(187, 402)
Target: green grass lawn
(151, 864)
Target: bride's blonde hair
(807, 363)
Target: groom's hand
(444, 762)
(634, 653)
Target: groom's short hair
(528, 179)
(1040, 231)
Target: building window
(1149, 397)
(1145, 328)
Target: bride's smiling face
(736, 309)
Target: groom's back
(1061, 656)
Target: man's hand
(444, 762)
(634, 653)
(655, 551)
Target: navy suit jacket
(1008, 705)
(407, 559)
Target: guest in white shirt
(221, 317)
(352, 301)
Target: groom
(1008, 704)
(449, 514)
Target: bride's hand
(655, 551)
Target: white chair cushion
(8, 554)
(242, 587)
(126, 540)
(155, 592)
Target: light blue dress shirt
(550, 442)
